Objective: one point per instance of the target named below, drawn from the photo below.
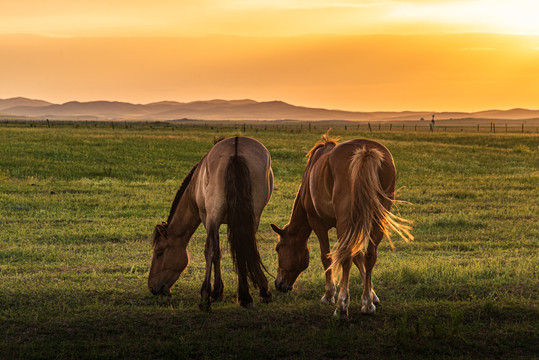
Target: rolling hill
(226, 110)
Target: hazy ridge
(227, 110)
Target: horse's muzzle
(163, 290)
(282, 285)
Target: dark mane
(321, 143)
(180, 192)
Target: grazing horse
(349, 186)
(230, 185)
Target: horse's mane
(180, 192)
(326, 139)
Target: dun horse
(349, 186)
(231, 184)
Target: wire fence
(284, 125)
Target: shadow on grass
(137, 325)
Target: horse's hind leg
(264, 289)
(217, 292)
(368, 298)
(343, 301)
(244, 297)
(359, 260)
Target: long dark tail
(367, 209)
(241, 219)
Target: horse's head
(168, 261)
(293, 256)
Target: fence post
(523, 128)
(370, 129)
(390, 127)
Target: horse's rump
(241, 219)
(370, 205)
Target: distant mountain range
(226, 110)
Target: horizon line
(267, 101)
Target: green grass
(77, 206)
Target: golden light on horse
(349, 186)
(230, 185)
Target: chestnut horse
(349, 186)
(230, 185)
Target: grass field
(77, 206)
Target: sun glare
(497, 16)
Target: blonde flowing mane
(326, 139)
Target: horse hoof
(266, 299)
(216, 296)
(250, 305)
(327, 300)
(375, 299)
(368, 310)
(338, 314)
(245, 302)
(205, 305)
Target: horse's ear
(277, 229)
(162, 228)
(159, 231)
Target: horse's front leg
(209, 251)
(343, 301)
(323, 239)
(264, 291)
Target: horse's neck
(185, 220)
(299, 223)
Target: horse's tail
(369, 206)
(241, 219)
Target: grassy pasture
(78, 204)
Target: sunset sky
(363, 55)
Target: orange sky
(354, 55)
